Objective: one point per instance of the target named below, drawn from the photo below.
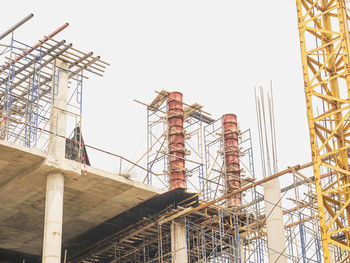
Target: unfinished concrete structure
(200, 199)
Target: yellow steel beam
(326, 72)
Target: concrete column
(274, 222)
(52, 240)
(178, 242)
(53, 218)
(58, 116)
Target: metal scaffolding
(29, 79)
(157, 143)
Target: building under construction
(201, 199)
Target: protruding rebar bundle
(231, 152)
(176, 141)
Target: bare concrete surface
(88, 199)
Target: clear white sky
(212, 51)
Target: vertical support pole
(232, 167)
(176, 142)
(52, 240)
(274, 222)
(178, 242)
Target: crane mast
(324, 43)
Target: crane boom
(326, 72)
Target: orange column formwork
(176, 141)
(231, 154)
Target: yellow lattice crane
(326, 73)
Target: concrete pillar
(178, 242)
(52, 240)
(53, 218)
(274, 222)
(58, 116)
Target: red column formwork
(176, 141)
(231, 147)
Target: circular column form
(231, 155)
(176, 141)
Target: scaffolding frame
(29, 82)
(157, 142)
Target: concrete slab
(88, 200)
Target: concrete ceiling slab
(88, 199)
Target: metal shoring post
(207, 162)
(8, 96)
(198, 241)
(193, 233)
(314, 230)
(29, 109)
(232, 244)
(148, 145)
(33, 111)
(187, 238)
(222, 149)
(213, 245)
(290, 243)
(316, 224)
(204, 252)
(80, 103)
(79, 96)
(166, 157)
(239, 240)
(301, 230)
(37, 97)
(31, 102)
(220, 231)
(144, 250)
(202, 175)
(294, 238)
(160, 244)
(200, 147)
(318, 247)
(211, 145)
(235, 241)
(27, 118)
(294, 241)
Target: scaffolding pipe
(13, 28)
(54, 33)
(231, 152)
(176, 141)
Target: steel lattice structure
(327, 88)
